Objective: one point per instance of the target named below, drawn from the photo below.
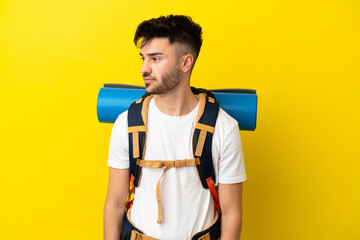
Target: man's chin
(148, 89)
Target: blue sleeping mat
(241, 104)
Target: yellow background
(302, 57)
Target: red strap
(129, 204)
(132, 178)
(213, 192)
(132, 191)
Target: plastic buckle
(178, 163)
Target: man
(169, 47)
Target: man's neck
(179, 102)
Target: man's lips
(148, 80)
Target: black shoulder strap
(203, 134)
(137, 121)
(202, 138)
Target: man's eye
(156, 59)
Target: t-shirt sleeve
(231, 160)
(119, 144)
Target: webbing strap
(135, 235)
(145, 108)
(201, 143)
(175, 163)
(212, 100)
(136, 147)
(142, 128)
(201, 109)
(136, 129)
(168, 165)
(205, 127)
(213, 192)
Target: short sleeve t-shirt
(186, 206)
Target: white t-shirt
(187, 207)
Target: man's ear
(187, 62)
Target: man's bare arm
(115, 203)
(230, 196)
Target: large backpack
(202, 141)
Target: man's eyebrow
(152, 54)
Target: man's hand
(230, 196)
(115, 203)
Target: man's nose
(145, 68)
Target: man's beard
(170, 81)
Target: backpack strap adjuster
(204, 127)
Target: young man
(169, 47)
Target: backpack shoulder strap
(202, 138)
(137, 125)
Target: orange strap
(205, 127)
(212, 100)
(145, 108)
(213, 192)
(135, 235)
(136, 147)
(202, 103)
(200, 143)
(168, 165)
(130, 197)
(171, 164)
(137, 129)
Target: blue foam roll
(113, 101)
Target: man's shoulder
(225, 125)
(121, 120)
(225, 120)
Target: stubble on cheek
(169, 81)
